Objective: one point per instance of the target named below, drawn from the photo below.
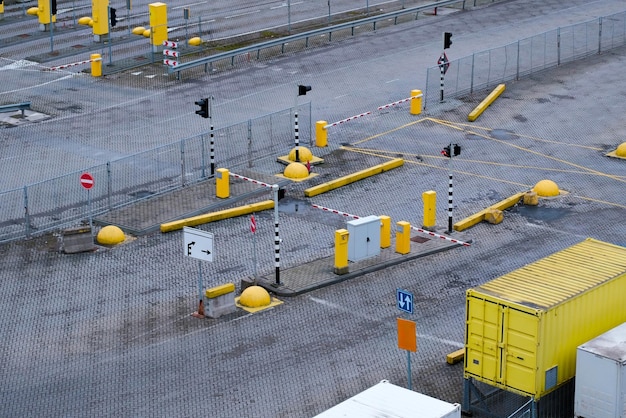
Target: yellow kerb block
(216, 291)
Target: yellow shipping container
(523, 328)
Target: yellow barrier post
(430, 208)
(385, 231)
(222, 183)
(416, 102)
(403, 237)
(96, 65)
(474, 114)
(100, 18)
(158, 23)
(321, 134)
(341, 251)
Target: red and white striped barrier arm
(432, 234)
(347, 120)
(260, 183)
(61, 67)
(335, 211)
(399, 101)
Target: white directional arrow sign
(198, 244)
(405, 300)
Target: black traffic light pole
(450, 151)
(206, 112)
(443, 60)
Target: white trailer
(601, 376)
(387, 400)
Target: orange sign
(407, 337)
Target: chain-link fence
(60, 201)
(547, 50)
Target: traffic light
(53, 6)
(446, 151)
(457, 149)
(113, 16)
(447, 40)
(303, 89)
(204, 108)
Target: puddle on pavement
(538, 213)
(503, 135)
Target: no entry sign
(86, 180)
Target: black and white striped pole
(212, 155)
(450, 151)
(275, 189)
(443, 60)
(301, 92)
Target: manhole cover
(419, 239)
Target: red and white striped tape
(252, 180)
(432, 234)
(60, 67)
(335, 211)
(346, 120)
(399, 101)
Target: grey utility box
(364, 238)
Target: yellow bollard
(1, 9)
(385, 231)
(96, 65)
(430, 208)
(100, 17)
(341, 251)
(403, 237)
(416, 102)
(158, 22)
(45, 12)
(222, 183)
(321, 134)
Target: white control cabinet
(364, 238)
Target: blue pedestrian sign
(405, 300)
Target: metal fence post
(600, 35)
(109, 184)
(26, 216)
(558, 46)
(472, 75)
(182, 163)
(250, 153)
(517, 70)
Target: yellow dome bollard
(296, 171)
(139, 30)
(195, 41)
(255, 297)
(33, 11)
(621, 150)
(304, 154)
(110, 235)
(546, 188)
(146, 33)
(86, 21)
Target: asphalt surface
(108, 333)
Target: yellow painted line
(474, 114)
(480, 216)
(351, 178)
(455, 356)
(217, 216)
(390, 131)
(213, 292)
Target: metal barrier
(486, 69)
(61, 201)
(13, 107)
